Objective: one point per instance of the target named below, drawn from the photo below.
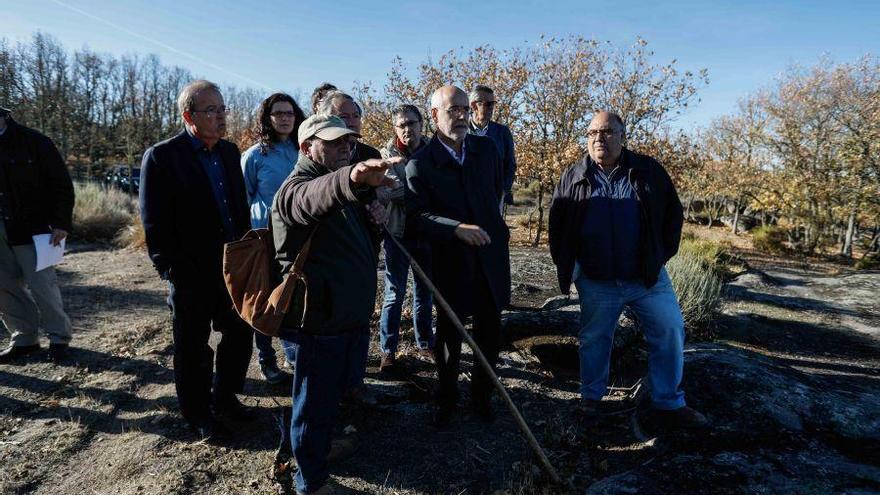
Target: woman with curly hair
(265, 165)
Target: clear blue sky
(295, 45)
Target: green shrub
(527, 194)
(100, 213)
(716, 255)
(698, 286)
(769, 239)
(870, 261)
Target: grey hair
(474, 95)
(187, 98)
(328, 102)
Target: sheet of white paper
(47, 254)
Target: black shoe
(16, 351)
(230, 407)
(273, 375)
(208, 430)
(57, 352)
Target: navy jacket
(439, 195)
(662, 216)
(503, 138)
(182, 223)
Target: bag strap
(300, 260)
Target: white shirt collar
(479, 131)
(458, 158)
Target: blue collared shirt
(264, 174)
(213, 166)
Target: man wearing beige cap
(328, 199)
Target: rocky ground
(792, 386)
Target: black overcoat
(181, 219)
(440, 194)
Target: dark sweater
(341, 265)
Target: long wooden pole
(520, 421)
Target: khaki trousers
(29, 300)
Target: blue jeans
(396, 274)
(265, 351)
(323, 365)
(659, 315)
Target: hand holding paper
(48, 253)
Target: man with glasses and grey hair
(192, 201)
(454, 186)
(346, 108)
(482, 102)
(615, 221)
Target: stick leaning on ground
(520, 421)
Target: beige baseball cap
(326, 127)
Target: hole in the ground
(557, 355)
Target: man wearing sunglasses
(482, 101)
(192, 201)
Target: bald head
(605, 138)
(450, 111)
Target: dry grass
(100, 213)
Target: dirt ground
(105, 420)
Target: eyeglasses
(211, 112)
(606, 133)
(289, 114)
(408, 123)
(458, 110)
(488, 104)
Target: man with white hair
(454, 186)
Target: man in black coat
(192, 201)
(36, 197)
(454, 187)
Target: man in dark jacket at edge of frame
(36, 197)
(615, 220)
(337, 201)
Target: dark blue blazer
(439, 195)
(182, 223)
(504, 140)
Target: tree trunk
(850, 234)
(540, 228)
(736, 216)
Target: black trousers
(447, 346)
(196, 308)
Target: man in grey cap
(333, 202)
(36, 197)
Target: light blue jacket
(263, 175)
